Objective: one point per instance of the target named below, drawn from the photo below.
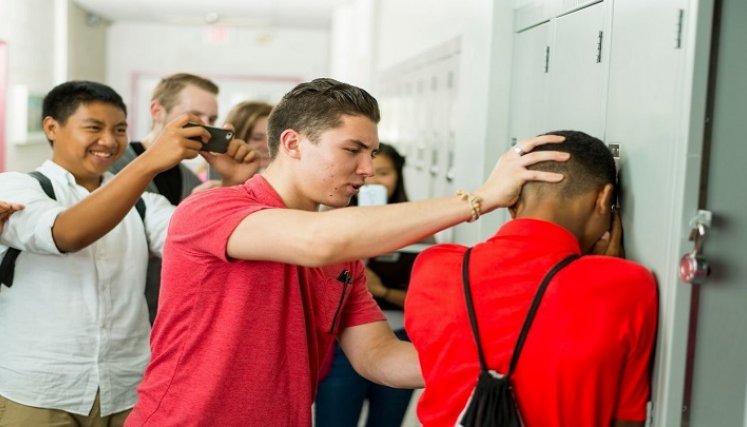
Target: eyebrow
(363, 145)
(100, 123)
(202, 113)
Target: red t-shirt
(240, 343)
(586, 359)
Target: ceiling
(302, 14)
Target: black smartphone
(219, 138)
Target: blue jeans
(341, 394)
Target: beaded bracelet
(474, 203)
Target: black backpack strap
(471, 309)
(45, 183)
(533, 310)
(8, 264)
(140, 207)
(527, 322)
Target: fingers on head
(544, 156)
(528, 145)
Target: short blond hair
(168, 89)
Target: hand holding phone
(219, 138)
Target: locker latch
(694, 268)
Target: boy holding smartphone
(175, 95)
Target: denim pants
(341, 394)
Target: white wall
(86, 49)
(30, 52)
(352, 41)
(37, 61)
(220, 53)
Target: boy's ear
(157, 112)
(51, 128)
(513, 209)
(605, 199)
(290, 143)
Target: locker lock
(694, 268)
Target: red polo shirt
(239, 343)
(586, 359)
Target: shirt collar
(542, 231)
(56, 172)
(263, 191)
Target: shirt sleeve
(360, 307)
(203, 222)
(636, 380)
(158, 211)
(31, 228)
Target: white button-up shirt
(73, 323)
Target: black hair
(62, 101)
(590, 167)
(399, 194)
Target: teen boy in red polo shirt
(586, 359)
(257, 283)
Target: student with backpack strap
(74, 326)
(512, 323)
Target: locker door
(654, 94)
(434, 102)
(406, 133)
(719, 368)
(578, 66)
(444, 99)
(529, 82)
(418, 179)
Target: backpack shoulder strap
(527, 321)
(471, 309)
(533, 310)
(8, 264)
(140, 207)
(45, 183)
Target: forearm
(394, 296)
(395, 365)
(313, 239)
(399, 367)
(368, 231)
(97, 214)
(379, 356)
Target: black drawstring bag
(492, 403)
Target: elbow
(321, 254)
(68, 244)
(323, 248)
